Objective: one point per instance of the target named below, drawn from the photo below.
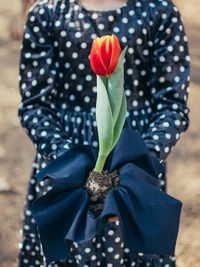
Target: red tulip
(104, 55)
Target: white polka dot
(93, 36)
(86, 25)
(71, 24)
(94, 16)
(139, 22)
(169, 69)
(137, 61)
(165, 124)
(81, 66)
(182, 68)
(110, 249)
(78, 34)
(68, 44)
(175, 106)
(27, 55)
(130, 50)
(131, 30)
(110, 232)
(87, 250)
(100, 26)
(88, 77)
(93, 257)
(181, 48)
(26, 227)
(32, 18)
(103, 239)
(176, 58)
(128, 92)
(139, 41)
(54, 146)
(61, 54)
(170, 48)
(111, 18)
(187, 58)
(33, 131)
(73, 76)
(177, 38)
(143, 72)
(167, 136)
(27, 247)
(74, 55)
(36, 29)
(57, 23)
(162, 59)
(117, 239)
(129, 71)
(131, 12)
(117, 222)
(145, 52)
(177, 122)
(157, 148)
(86, 99)
(98, 245)
(116, 256)
(116, 29)
(161, 28)
(81, 16)
(83, 45)
(135, 103)
(155, 137)
(127, 250)
(166, 149)
(133, 123)
(124, 39)
(125, 20)
(43, 133)
(162, 79)
(63, 34)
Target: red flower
(104, 55)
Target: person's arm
(169, 82)
(38, 111)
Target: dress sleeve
(169, 82)
(38, 112)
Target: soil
(17, 152)
(98, 186)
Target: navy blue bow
(149, 218)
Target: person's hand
(114, 219)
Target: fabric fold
(147, 216)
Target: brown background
(16, 151)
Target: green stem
(100, 163)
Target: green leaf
(115, 87)
(104, 119)
(120, 121)
(104, 80)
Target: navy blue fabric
(147, 216)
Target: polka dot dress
(58, 90)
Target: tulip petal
(106, 50)
(96, 61)
(116, 51)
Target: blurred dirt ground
(16, 151)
